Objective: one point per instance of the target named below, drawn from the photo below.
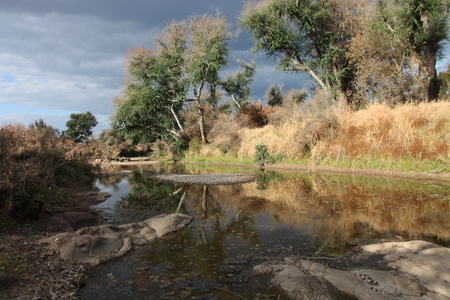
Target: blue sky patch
(7, 78)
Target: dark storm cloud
(141, 11)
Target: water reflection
(237, 226)
(333, 208)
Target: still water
(239, 226)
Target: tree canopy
(305, 36)
(186, 58)
(79, 126)
(384, 50)
(238, 86)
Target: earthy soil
(28, 270)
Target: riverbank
(28, 270)
(431, 176)
(439, 176)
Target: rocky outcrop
(96, 244)
(412, 270)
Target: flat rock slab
(206, 179)
(96, 244)
(416, 270)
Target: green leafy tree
(395, 50)
(274, 95)
(79, 126)
(305, 36)
(207, 55)
(238, 87)
(186, 59)
(424, 25)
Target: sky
(59, 57)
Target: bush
(179, 149)
(253, 115)
(160, 149)
(34, 171)
(195, 145)
(225, 134)
(262, 156)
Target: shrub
(262, 156)
(195, 145)
(160, 149)
(179, 149)
(225, 134)
(34, 171)
(253, 115)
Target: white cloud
(68, 62)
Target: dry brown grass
(34, 170)
(417, 131)
(329, 130)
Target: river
(238, 226)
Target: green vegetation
(79, 127)
(224, 158)
(262, 156)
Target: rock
(96, 244)
(421, 260)
(94, 197)
(416, 269)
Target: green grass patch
(403, 164)
(225, 158)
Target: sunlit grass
(223, 158)
(400, 164)
(406, 138)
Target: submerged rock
(414, 270)
(96, 244)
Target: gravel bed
(206, 179)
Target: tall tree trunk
(213, 99)
(201, 122)
(235, 101)
(433, 84)
(183, 133)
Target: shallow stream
(236, 227)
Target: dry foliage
(33, 168)
(225, 134)
(253, 115)
(415, 131)
(325, 129)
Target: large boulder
(412, 270)
(96, 244)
